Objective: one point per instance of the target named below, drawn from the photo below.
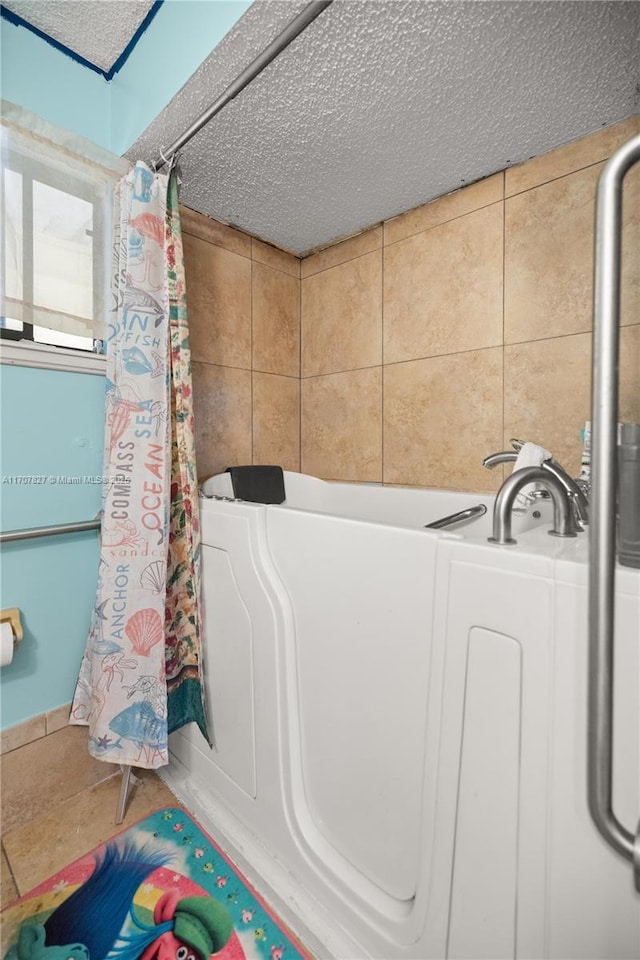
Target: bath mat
(160, 890)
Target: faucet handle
(517, 444)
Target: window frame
(84, 189)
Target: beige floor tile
(276, 420)
(337, 253)
(222, 406)
(58, 718)
(443, 288)
(218, 304)
(549, 257)
(8, 888)
(446, 208)
(442, 416)
(342, 426)
(22, 733)
(342, 317)
(52, 840)
(276, 322)
(47, 771)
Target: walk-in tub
(399, 726)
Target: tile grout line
(382, 361)
(11, 873)
(250, 257)
(441, 223)
(300, 370)
(504, 301)
(542, 183)
(252, 360)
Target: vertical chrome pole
(602, 531)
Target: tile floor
(57, 804)
(51, 837)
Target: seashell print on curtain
(145, 626)
(183, 627)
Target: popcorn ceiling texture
(97, 31)
(382, 105)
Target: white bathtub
(399, 717)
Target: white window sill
(24, 353)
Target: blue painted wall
(52, 427)
(35, 75)
(181, 35)
(113, 114)
(47, 416)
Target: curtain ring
(167, 163)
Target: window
(54, 246)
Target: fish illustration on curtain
(183, 620)
(139, 622)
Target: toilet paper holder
(12, 614)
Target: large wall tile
(342, 426)
(442, 416)
(449, 207)
(276, 420)
(222, 406)
(549, 257)
(337, 253)
(342, 317)
(548, 395)
(572, 156)
(630, 279)
(548, 391)
(629, 392)
(443, 288)
(206, 228)
(272, 257)
(276, 322)
(218, 304)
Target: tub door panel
(229, 667)
(362, 597)
(493, 771)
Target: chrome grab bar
(467, 514)
(33, 532)
(602, 541)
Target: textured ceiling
(97, 30)
(381, 105)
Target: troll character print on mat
(145, 896)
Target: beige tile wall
(409, 352)
(244, 316)
(429, 341)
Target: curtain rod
(290, 32)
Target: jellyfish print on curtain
(140, 676)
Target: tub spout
(563, 524)
(577, 496)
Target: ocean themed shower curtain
(140, 676)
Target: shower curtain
(140, 676)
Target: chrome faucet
(563, 521)
(577, 496)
